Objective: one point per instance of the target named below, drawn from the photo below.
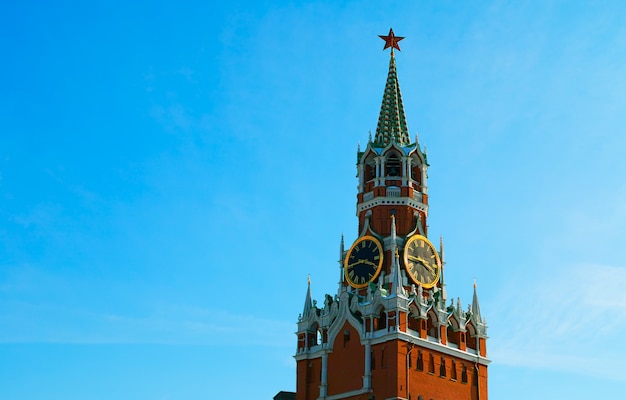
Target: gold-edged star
(391, 40)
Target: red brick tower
(387, 333)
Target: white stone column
(405, 175)
(424, 186)
(409, 165)
(367, 378)
(324, 382)
(361, 177)
(377, 177)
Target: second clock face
(363, 261)
(422, 261)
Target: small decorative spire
(475, 306)
(394, 248)
(358, 146)
(441, 249)
(308, 302)
(396, 280)
(369, 139)
(341, 249)
(441, 276)
(341, 252)
(398, 288)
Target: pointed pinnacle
(392, 126)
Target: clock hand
(369, 263)
(362, 261)
(428, 267)
(425, 263)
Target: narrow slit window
(419, 365)
(453, 370)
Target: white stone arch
(432, 326)
(415, 317)
(393, 162)
(471, 336)
(453, 330)
(344, 315)
(368, 163)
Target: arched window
(419, 365)
(433, 326)
(452, 332)
(370, 171)
(314, 336)
(463, 373)
(471, 337)
(416, 169)
(414, 322)
(442, 368)
(381, 321)
(392, 166)
(452, 370)
(373, 359)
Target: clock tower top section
(392, 127)
(392, 170)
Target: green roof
(392, 127)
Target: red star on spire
(391, 40)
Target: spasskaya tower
(388, 332)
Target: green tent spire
(392, 125)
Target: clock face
(363, 261)
(422, 261)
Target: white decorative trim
(386, 201)
(436, 346)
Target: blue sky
(171, 172)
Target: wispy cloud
(570, 321)
(174, 325)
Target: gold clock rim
(380, 262)
(406, 261)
